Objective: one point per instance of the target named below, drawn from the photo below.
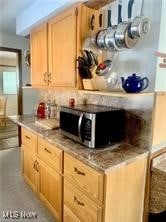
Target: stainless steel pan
(140, 24)
(110, 34)
(100, 36)
(122, 38)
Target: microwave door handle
(79, 126)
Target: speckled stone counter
(103, 160)
(158, 185)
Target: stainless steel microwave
(93, 125)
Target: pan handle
(119, 13)
(109, 24)
(130, 6)
(92, 22)
(100, 20)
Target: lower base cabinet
(44, 180)
(28, 168)
(50, 189)
(123, 192)
(74, 192)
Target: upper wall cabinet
(39, 48)
(56, 45)
(62, 49)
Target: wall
(161, 73)
(22, 43)
(11, 108)
(140, 59)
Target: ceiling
(9, 10)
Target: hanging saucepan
(140, 24)
(100, 39)
(110, 34)
(101, 34)
(122, 38)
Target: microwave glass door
(69, 122)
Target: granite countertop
(104, 160)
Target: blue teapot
(134, 83)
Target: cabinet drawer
(50, 154)
(85, 177)
(80, 205)
(29, 140)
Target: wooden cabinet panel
(28, 166)
(85, 177)
(81, 206)
(124, 193)
(62, 46)
(68, 216)
(50, 189)
(39, 58)
(29, 140)
(51, 155)
(159, 119)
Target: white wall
(16, 42)
(140, 59)
(161, 73)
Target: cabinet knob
(49, 78)
(45, 77)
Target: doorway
(11, 88)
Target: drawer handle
(78, 172)
(37, 166)
(78, 202)
(34, 165)
(27, 137)
(47, 150)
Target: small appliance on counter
(93, 125)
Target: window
(9, 83)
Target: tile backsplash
(138, 111)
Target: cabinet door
(62, 49)
(29, 167)
(39, 55)
(50, 189)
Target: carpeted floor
(10, 130)
(8, 135)
(16, 197)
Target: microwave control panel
(87, 129)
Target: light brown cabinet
(39, 50)
(43, 175)
(88, 194)
(29, 170)
(96, 197)
(56, 44)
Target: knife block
(89, 84)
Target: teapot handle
(145, 82)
